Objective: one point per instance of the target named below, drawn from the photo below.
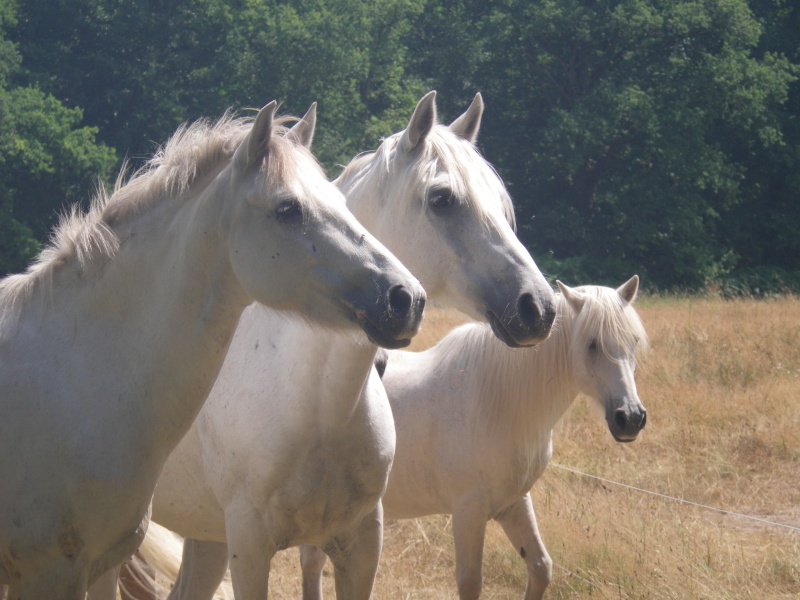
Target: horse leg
(202, 568)
(105, 587)
(312, 561)
(66, 579)
(250, 551)
(469, 532)
(355, 557)
(519, 523)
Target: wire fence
(679, 500)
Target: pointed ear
(255, 145)
(573, 297)
(467, 125)
(303, 130)
(421, 123)
(627, 290)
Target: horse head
(427, 193)
(289, 225)
(607, 338)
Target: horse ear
(255, 145)
(421, 123)
(628, 289)
(467, 125)
(573, 297)
(303, 130)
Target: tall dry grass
(722, 389)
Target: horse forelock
(605, 315)
(189, 159)
(471, 177)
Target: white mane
(189, 160)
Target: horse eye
(289, 211)
(593, 346)
(441, 199)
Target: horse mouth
(376, 335)
(501, 331)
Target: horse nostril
(526, 308)
(644, 419)
(399, 301)
(620, 420)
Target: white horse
(295, 441)
(474, 422)
(110, 343)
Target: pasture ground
(722, 389)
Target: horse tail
(157, 561)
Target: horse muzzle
(527, 324)
(626, 423)
(394, 321)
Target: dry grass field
(722, 389)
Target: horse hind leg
(202, 569)
(312, 561)
(519, 523)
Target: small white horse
(110, 343)
(474, 422)
(295, 442)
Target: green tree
(139, 68)
(764, 229)
(46, 159)
(624, 129)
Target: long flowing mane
(471, 176)
(522, 388)
(189, 160)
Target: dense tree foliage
(47, 159)
(650, 136)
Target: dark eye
(593, 346)
(441, 199)
(289, 211)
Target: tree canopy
(651, 136)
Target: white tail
(156, 564)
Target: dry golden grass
(722, 389)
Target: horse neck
(169, 296)
(524, 392)
(323, 371)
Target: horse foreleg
(469, 531)
(250, 551)
(105, 587)
(312, 561)
(355, 557)
(202, 568)
(64, 579)
(519, 523)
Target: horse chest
(327, 491)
